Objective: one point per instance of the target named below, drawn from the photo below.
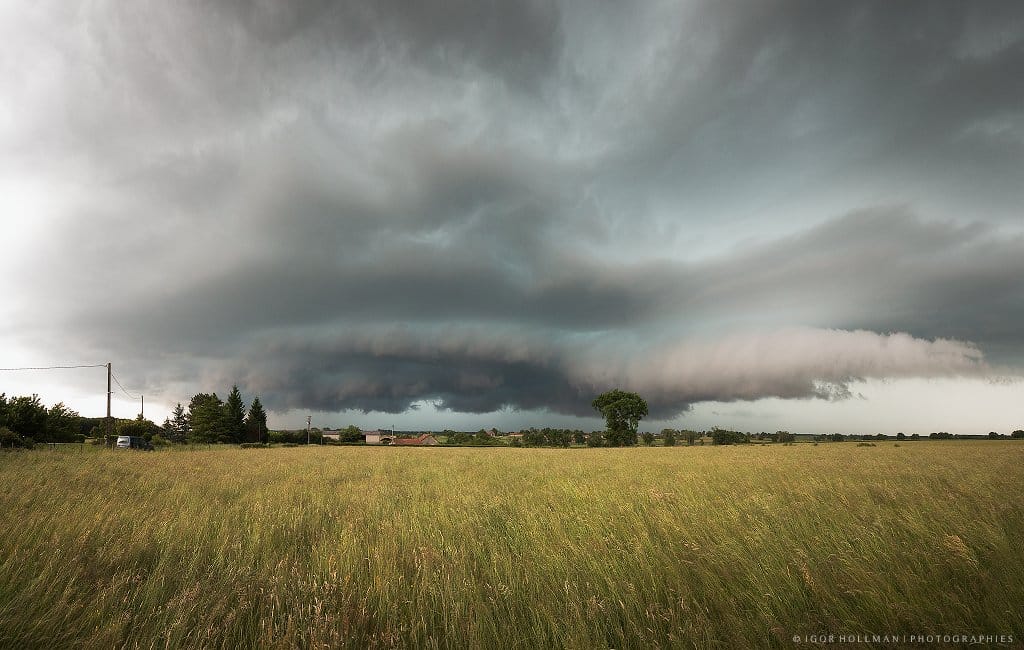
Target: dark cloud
(513, 204)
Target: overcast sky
(760, 215)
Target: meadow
(684, 547)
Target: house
(424, 439)
(378, 437)
(330, 434)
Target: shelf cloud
(512, 205)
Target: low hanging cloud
(479, 370)
(792, 363)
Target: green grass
(491, 548)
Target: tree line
(25, 421)
(208, 419)
(212, 420)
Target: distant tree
(647, 437)
(234, 417)
(784, 436)
(595, 439)
(915, 436)
(579, 437)
(1018, 434)
(669, 437)
(726, 437)
(206, 415)
(534, 438)
(622, 412)
(901, 436)
(255, 421)
(457, 437)
(561, 438)
(350, 434)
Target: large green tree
(256, 421)
(25, 416)
(179, 424)
(622, 413)
(62, 424)
(206, 415)
(234, 416)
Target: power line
(94, 365)
(54, 367)
(123, 390)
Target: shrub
(138, 428)
(725, 437)
(8, 438)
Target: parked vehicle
(133, 442)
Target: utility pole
(309, 418)
(110, 423)
(108, 391)
(143, 413)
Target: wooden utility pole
(108, 392)
(309, 418)
(110, 423)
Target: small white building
(378, 437)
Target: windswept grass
(509, 548)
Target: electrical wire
(95, 365)
(123, 389)
(103, 365)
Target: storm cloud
(514, 205)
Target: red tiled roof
(412, 441)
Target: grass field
(703, 547)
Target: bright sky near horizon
(468, 214)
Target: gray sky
(766, 215)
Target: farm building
(378, 437)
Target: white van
(133, 442)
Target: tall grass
(509, 548)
